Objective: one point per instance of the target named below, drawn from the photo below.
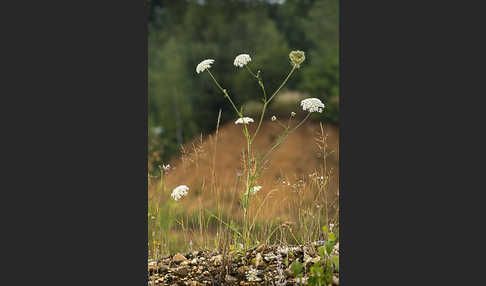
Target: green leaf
(329, 246)
(321, 251)
(324, 229)
(332, 237)
(335, 261)
(296, 267)
(313, 281)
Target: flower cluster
(204, 65)
(242, 60)
(312, 105)
(179, 192)
(244, 120)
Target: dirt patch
(213, 165)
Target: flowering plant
(253, 165)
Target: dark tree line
(182, 104)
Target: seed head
(297, 57)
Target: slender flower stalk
(225, 92)
(265, 104)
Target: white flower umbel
(179, 192)
(312, 105)
(242, 60)
(244, 120)
(204, 65)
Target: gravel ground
(263, 265)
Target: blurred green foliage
(183, 104)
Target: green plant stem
(229, 226)
(248, 141)
(302, 122)
(283, 83)
(265, 101)
(226, 95)
(280, 141)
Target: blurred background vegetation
(183, 104)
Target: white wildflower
(293, 114)
(242, 60)
(244, 120)
(204, 65)
(255, 189)
(166, 167)
(274, 118)
(331, 226)
(179, 192)
(312, 104)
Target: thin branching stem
(226, 95)
(283, 83)
(265, 101)
(281, 139)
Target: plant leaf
(332, 237)
(335, 260)
(296, 267)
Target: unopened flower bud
(297, 57)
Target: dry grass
(299, 194)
